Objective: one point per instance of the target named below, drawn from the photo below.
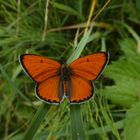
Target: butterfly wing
(91, 66)
(83, 71)
(50, 90)
(81, 90)
(45, 72)
(39, 68)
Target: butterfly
(55, 81)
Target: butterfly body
(64, 82)
(65, 72)
(56, 81)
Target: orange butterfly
(56, 81)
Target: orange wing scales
(89, 67)
(38, 67)
(48, 90)
(81, 90)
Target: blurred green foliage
(114, 111)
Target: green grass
(58, 31)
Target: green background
(57, 29)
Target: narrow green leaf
(77, 123)
(110, 122)
(130, 30)
(16, 72)
(11, 83)
(66, 8)
(36, 122)
(81, 45)
(107, 128)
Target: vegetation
(66, 30)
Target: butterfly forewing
(89, 67)
(38, 67)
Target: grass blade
(37, 120)
(77, 52)
(5, 75)
(77, 123)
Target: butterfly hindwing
(39, 68)
(49, 90)
(81, 90)
(89, 67)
